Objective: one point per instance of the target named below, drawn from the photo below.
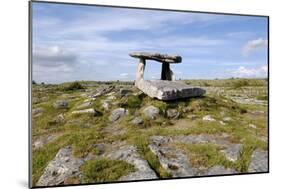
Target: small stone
(220, 170)
(105, 106)
(58, 119)
(208, 118)
(86, 111)
(37, 111)
(227, 119)
(117, 114)
(252, 126)
(173, 113)
(192, 116)
(151, 112)
(137, 121)
(222, 123)
(60, 104)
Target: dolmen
(167, 88)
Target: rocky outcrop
(62, 167)
(259, 161)
(61, 104)
(151, 112)
(117, 114)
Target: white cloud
(250, 72)
(253, 45)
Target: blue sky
(74, 42)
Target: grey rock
(151, 112)
(117, 114)
(173, 160)
(40, 142)
(58, 119)
(173, 113)
(252, 126)
(232, 151)
(227, 119)
(85, 105)
(37, 111)
(105, 106)
(137, 121)
(62, 167)
(259, 161)
(101, 91)
(219, 170)
(168, 90)
(61, 104)
(208, 118)
(85, 111)
(129, 154)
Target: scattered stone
(173, 113)
(252, 126)
(39, 143)
(124, 92)
(129, 154)
(105, 105)
(102, 91)
(259, 161)
(227, 119)
(61, 104)
(222, 123)
(61, 168)
(87, 104)
(208, 118)
(117, 114)
(37, 111)
(137, 121)
(219, 170)
(151, 112)
(58, 119)
(86, 111)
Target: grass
(105, 170)
(81, 132)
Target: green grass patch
(105, 170)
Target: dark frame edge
(29, 94)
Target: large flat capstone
(168, 90)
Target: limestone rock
(129, 154)
(85, 105)
(125, 92)
(117, 114)
(219, 170)
(173, 113)
(37, 111)
(208, 118)
(151, 112)
(171, 159)
(259, 161)
(61, 104)
(168, 90)
(86, 111)
(62, 167)
(157, 57)
(137, 121)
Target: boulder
(137, 121)
(85, 105)
(173, 113)
(37, 111)
(151, 112)
(117, 114)
(124, 92)
(168, 90)
(61, 104)
(62, 167)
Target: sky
(75, 42)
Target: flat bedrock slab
(259, 161)
(168, 90)
(129, 154)
(62, 167)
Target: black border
(30, 42)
